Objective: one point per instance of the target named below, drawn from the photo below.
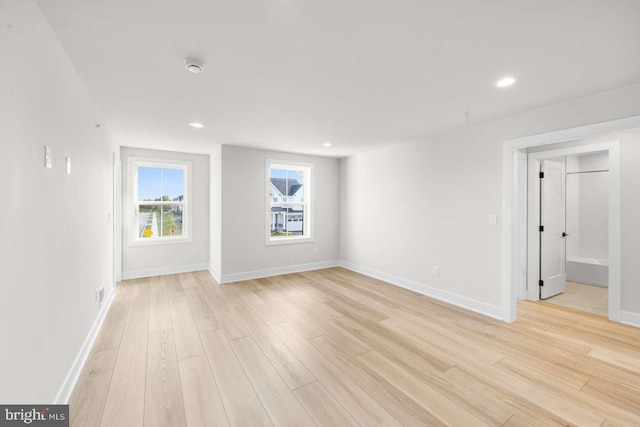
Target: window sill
(164, 241)
(270, 241)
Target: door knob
(564, 234)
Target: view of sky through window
(153, 183)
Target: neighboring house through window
(289, 217)
(160, 201)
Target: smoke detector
(194, 65)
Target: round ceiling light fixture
(327, 144)
(194, 65)
(196, 125)
(506, 81)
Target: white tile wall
(587, 207)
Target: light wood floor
(593, 299)
(334, 348)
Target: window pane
(149, 183)
(173, 184)
(287, 221)
(171, 220)
(160, 184)
(148, 219)
(288, 185)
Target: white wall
(444, 187)
(151, 260)
(215, 209)
(56, 239)
(244, 215)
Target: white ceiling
(292, 74)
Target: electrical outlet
(315, 250)
(436, 271)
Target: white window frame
(186, 166)
(307, 233)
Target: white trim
(631, 319)
(573, 134)
(64, 393)
(510, 237)
(214, 272)
(257, 274)
(430, 291)
(161, 271)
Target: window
(160, 202)
(289, 216)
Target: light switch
(493, 219)
(69, 165)
(47, 157)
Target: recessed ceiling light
(194, 65)
(196, 125)
(326, 144)
(506, 81)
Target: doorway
(518, 268)
(573, 223)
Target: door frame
(514, 209)
(533, 218)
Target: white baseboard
(150, 272)
(215, 273)
(629, 318)
(439, 294)
(64, 394)
(238, 277)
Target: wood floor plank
(164, 405)
(523, 409)
(173, 285)
(281, 405)
(90, 393)
(538, 395)
(444, 409)
(187, 281)
(202, 313)
(261, 308)
(398, 404)
(140, 301)
(187, 339)
(229, 322)
(394, 346)
(356, 401)
(112, 328)
(289, 313)
(323, 407)
(125, 399)
(202, 402)
(159, 312)
(617, 410)
(232, 292)
(294, 373)
(241, 403)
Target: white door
(552, 234)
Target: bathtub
(591, 271)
